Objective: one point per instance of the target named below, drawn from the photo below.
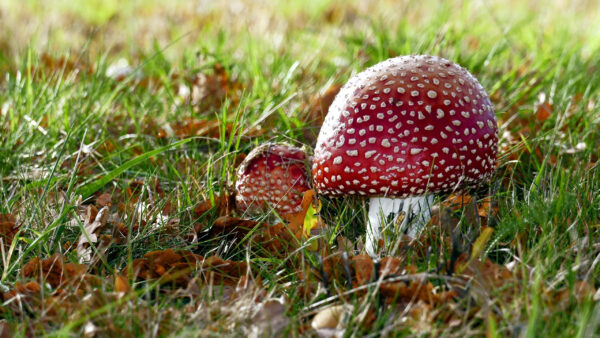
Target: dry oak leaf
(21, 294)
(121, 284)
(489, 278)
(320, 102)
(277, 239)
(168, 265)
(179, 268)
(104, 200)
(8, 228)
(217, 271)
(318, 106)
(209, 90)
(94, 221)
(189, 127)
(459, 201)
(229, 225)
(544, 111)
(53, 270)
(224, 204)
(6, 331)
(581, 290)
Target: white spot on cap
(337, 160)
(352, 152)
(432, 94)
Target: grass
(69, 133)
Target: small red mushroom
(402, 130)
(272, 175)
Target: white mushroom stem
(416, 210)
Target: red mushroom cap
(273, 173)
(406, 126)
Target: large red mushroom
(273, 175)
(402, 130)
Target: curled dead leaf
(543, 111)
(121, 284)
(8, 228)
(332, 320)
(94, 221)
(53, 270)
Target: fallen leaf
(543, 111)
(104, 200)
(8, 228)
(331, 321)
(320, 102)
(217, 271)
(53, 270)
(6, 331)
(269, 319)
(580, 292)
(478, 247)
(121, 284)
(296, 221)
(224, 204)
(93, 222)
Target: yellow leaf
(311, 220)
(478, 247)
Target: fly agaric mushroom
(402, 130)
(272, 175)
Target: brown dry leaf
(543, 111)
(94, 221)
(53, 270)
(363, 267)
(217, 271)
(189, 127)
(296, 220)
(489, 278)
(485, 207)
(121, 284)
(320, 102)
(167, 265)
(104, 200)
(316, 111)
(49, 66)
(8, 228)
(580, 292)
(232, 225)
(224, 204)
(21, 294)
(269, 320)
(417, 289)
(277, 239)
(6, 331)
(208, 91)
